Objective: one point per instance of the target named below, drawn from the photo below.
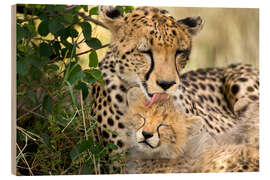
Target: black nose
(147, 135)
(165, 84)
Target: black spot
(113, 87)
(250, 89)
(99, 118)
(212, 88)
(218, 101)
(181, 96)
(105, 134)
(107, 82)
(104, 93)
(187, 111)
(121, 125)
(99, 107)
(109, 99)
(119, 112)
(117, 117)
(110, 121)
(243, 79)
(120, 143)
(152, 32)
(185, 83)
(111, 111)
(208, 123)
(210, 98)
(174, 33)
(123, 57)
(201, 71)
(202, 86)
(114, 135)
(195, 86)
(104, 112)
(235, 88)
(217, 130)
(123, 88)
(245, 167)
(192, 79)
(119, 98)
(93, 90)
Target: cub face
(156, 132)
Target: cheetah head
(150, 47)
(158, 131)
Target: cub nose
(147, 135)
(165, 84)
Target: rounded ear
(134, 94)
(193, 24)
(111, 17)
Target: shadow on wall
(230, 35)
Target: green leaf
(31, 95)
(88, 77)
(120, 8)
(96, 74)
(55, 26)
(43, 28)
(87, 30)
(94, 43)
(93, 59)
(84, 89)
(85, 145)
(23, 67)
(71, 92)
(36, 74)
(93, 11)
(112, 146)
(45, 50)
(47, 104)
(128, 9)
(46, 139)
(75, 74)
(74, 152)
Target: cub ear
(193, 24)
(111, 17)
(135, 96)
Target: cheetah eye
(159, 127)
(181, 51)
(147, 52)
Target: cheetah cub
(163, 140)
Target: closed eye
(148, 52)
(159, 127)
(181, 51)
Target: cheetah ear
(193, 24)
(112, 17)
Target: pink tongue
(157, 97)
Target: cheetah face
(150, 47)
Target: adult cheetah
(149, 49)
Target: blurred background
(230, 35)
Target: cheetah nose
(165, 84)
(147, 135)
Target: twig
(85, 52)
(88, 18)
(28, 112)
(28, 133)
(25, 160)
(70, 121)
(26, 142)
(84, 123)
